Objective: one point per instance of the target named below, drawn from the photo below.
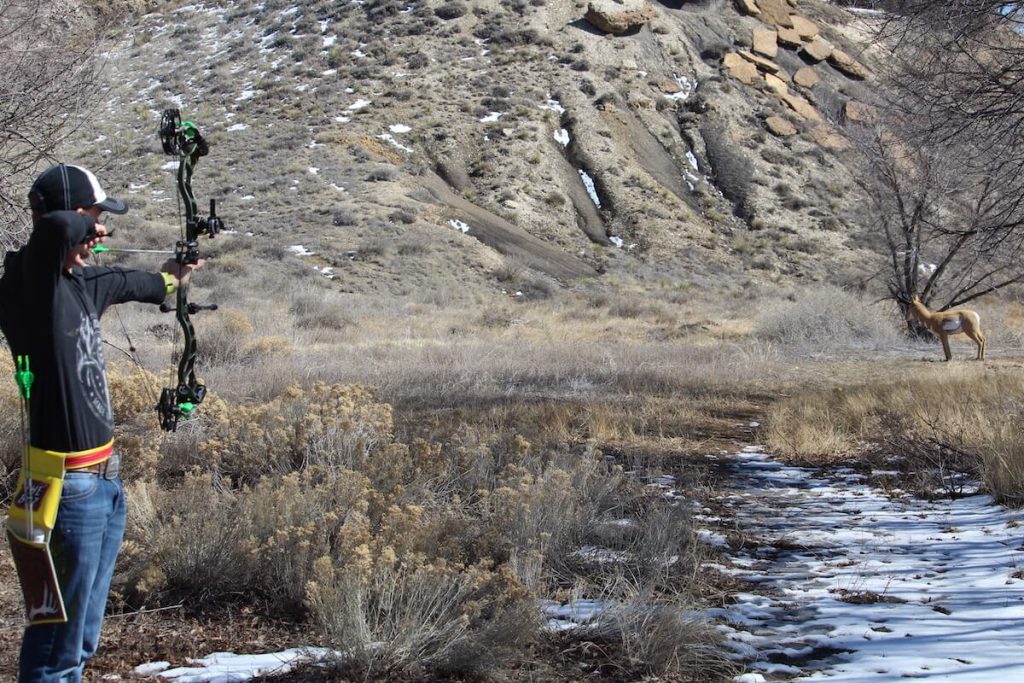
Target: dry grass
(949, 419)
(410, 479)
(408, 548)
(827, 319)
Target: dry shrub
(1003, 460)
(634, 306)
(229, 338)
(824, 318)
(407, 617)
(643, 632)
(535, 506)
(317, 310)
(329, 425)
(819, 426)
(669, 639)
(260, 542)
(134, 393)
(529, 516)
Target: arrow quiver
(32, 515)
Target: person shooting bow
(67, 520)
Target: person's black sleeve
(109, 286)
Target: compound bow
(182, 139)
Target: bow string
(183, 140)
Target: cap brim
(113, 205)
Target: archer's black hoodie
(52, 316)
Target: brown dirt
(133, 638)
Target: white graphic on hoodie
(91, 366)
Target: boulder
(829, 138)
(668, 87)
(759, 62)
(817, 50)
(640, 101)
(804, 26)
(847, 64)
(779, 127)
(619, 16)
(748, 7)
(806, 77)
(859, 112)
(788, 37)
(776, 84)
(739, 68)
(764, 42)
(802, 107)
(774, 12)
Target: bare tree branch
(943, 168)
(49, 81)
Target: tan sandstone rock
(847, 64)
(818, 49)
(668, 87)
(802, 107)
(779, 127)
(759, 62)
(739, 68)
(619, 16)
(764, 42)
(804, 26)
(776, 84)
(788, 37)
(806, 77)
(829, 138)
(748, 7)
(774, 12)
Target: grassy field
(405, 480)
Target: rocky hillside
(455, 145)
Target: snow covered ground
(847, 583)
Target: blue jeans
(85, 541)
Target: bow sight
(182, 139)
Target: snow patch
(588, 182)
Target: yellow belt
(75, 459)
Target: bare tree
(943, 170)
(942, 222)
(49, 79)
(957, 72)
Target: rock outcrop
(780, 127)
(619, 16)
(739, 68)
(774, 12)
(847, 64)
(817, 50)
(806, 77)
(765, 43)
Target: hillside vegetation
(374, 134)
